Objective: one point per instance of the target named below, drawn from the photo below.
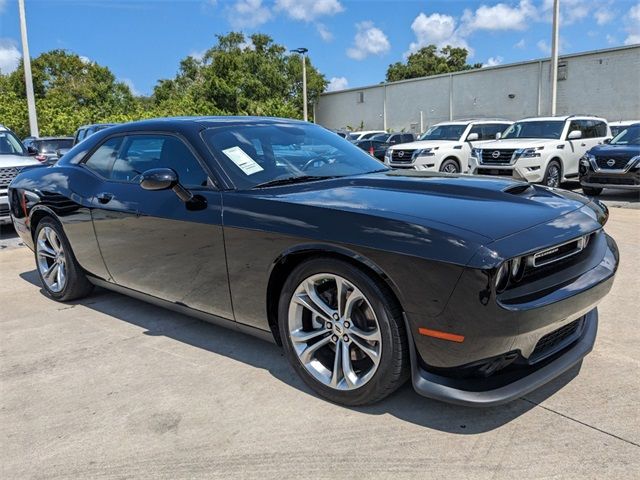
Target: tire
(51, 248)
(450, 166)
(370, 382)
(592, 191)
(553, 174)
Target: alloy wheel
(553, 176)
(51, 259)
(450, 168)
(334, 331)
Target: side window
(492, 129)
(143, 152)
(601, 129)
(101, 161)
(395, 139)
(575, 125)
(408, 138)
(476, 129)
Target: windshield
(382, 137)
(444, 132)
(538, 129)
(51, 146)
(10, 145)
(629, 136)
(261, 153)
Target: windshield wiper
(291, 180)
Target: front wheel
(59, 271)
(450, 166)
(553, 174)
(592, 191)
(343, 332)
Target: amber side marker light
(452, 337)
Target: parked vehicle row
(546, 150)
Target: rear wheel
(61, 276)
(553, 174)
(343, 332)
(592, 191)
(450, 166)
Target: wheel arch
(284, 264)
(37, 214)
(559, 161)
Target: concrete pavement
(112, 387)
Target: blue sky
(351, 42)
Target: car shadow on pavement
(404, 404)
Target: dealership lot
(112, 387)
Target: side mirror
(607, 140)
(62, 151)
(574, 135)
(158, 179)
(472, 137)
(32, 150)
(164, 179)
(498, 135)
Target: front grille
(556, 340)
(4, 210)
(613, 180)
(498, 156)
(402, 156)
(620, 163)
(495, 172)
(6, 175)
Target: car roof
(562, 118)
(53, 138)
(474, 120)
(97, 125)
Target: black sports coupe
(479, 289)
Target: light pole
(303, 52)
(555, 38)
(26, 60)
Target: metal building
(601, 82)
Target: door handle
(104, 197)
(583, 144)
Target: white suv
(542, 149)
(13, 156)
(445, 147)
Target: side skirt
(176, 307)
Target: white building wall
(604, 83)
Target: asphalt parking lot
(112, 387)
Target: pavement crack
(581, 422)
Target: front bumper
(629, 180)
(528, 170)
(5, 217)
(509, 385)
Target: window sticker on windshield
(244, 162)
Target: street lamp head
(300, 50)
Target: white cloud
(544, 47)
(324, 32)
(129, 83)
(198, 54)
(611, 40)
(9, 55)
(493, 61)
(604, 16)
(337, 83)
(571, 11)
(369, 40)
(632, 20)
(437, 29)
(308, 10)
(85, 60)
(520, 44)
(248, 14)
(499, 17)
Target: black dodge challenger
(480, 290)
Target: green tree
(428, 61)
(69, 91)
(240, 76)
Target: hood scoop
(520, 189)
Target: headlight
(502, 277)
(511, 271)
(424, 152)
(387, 155)
(637, 159)
(528, 152)
(476, 152)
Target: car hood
(516, 143)
(425, 144)
(492, 208)
(616, 150)
(17, 161)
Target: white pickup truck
(13, 157)
(445, 147)
(543, 150)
